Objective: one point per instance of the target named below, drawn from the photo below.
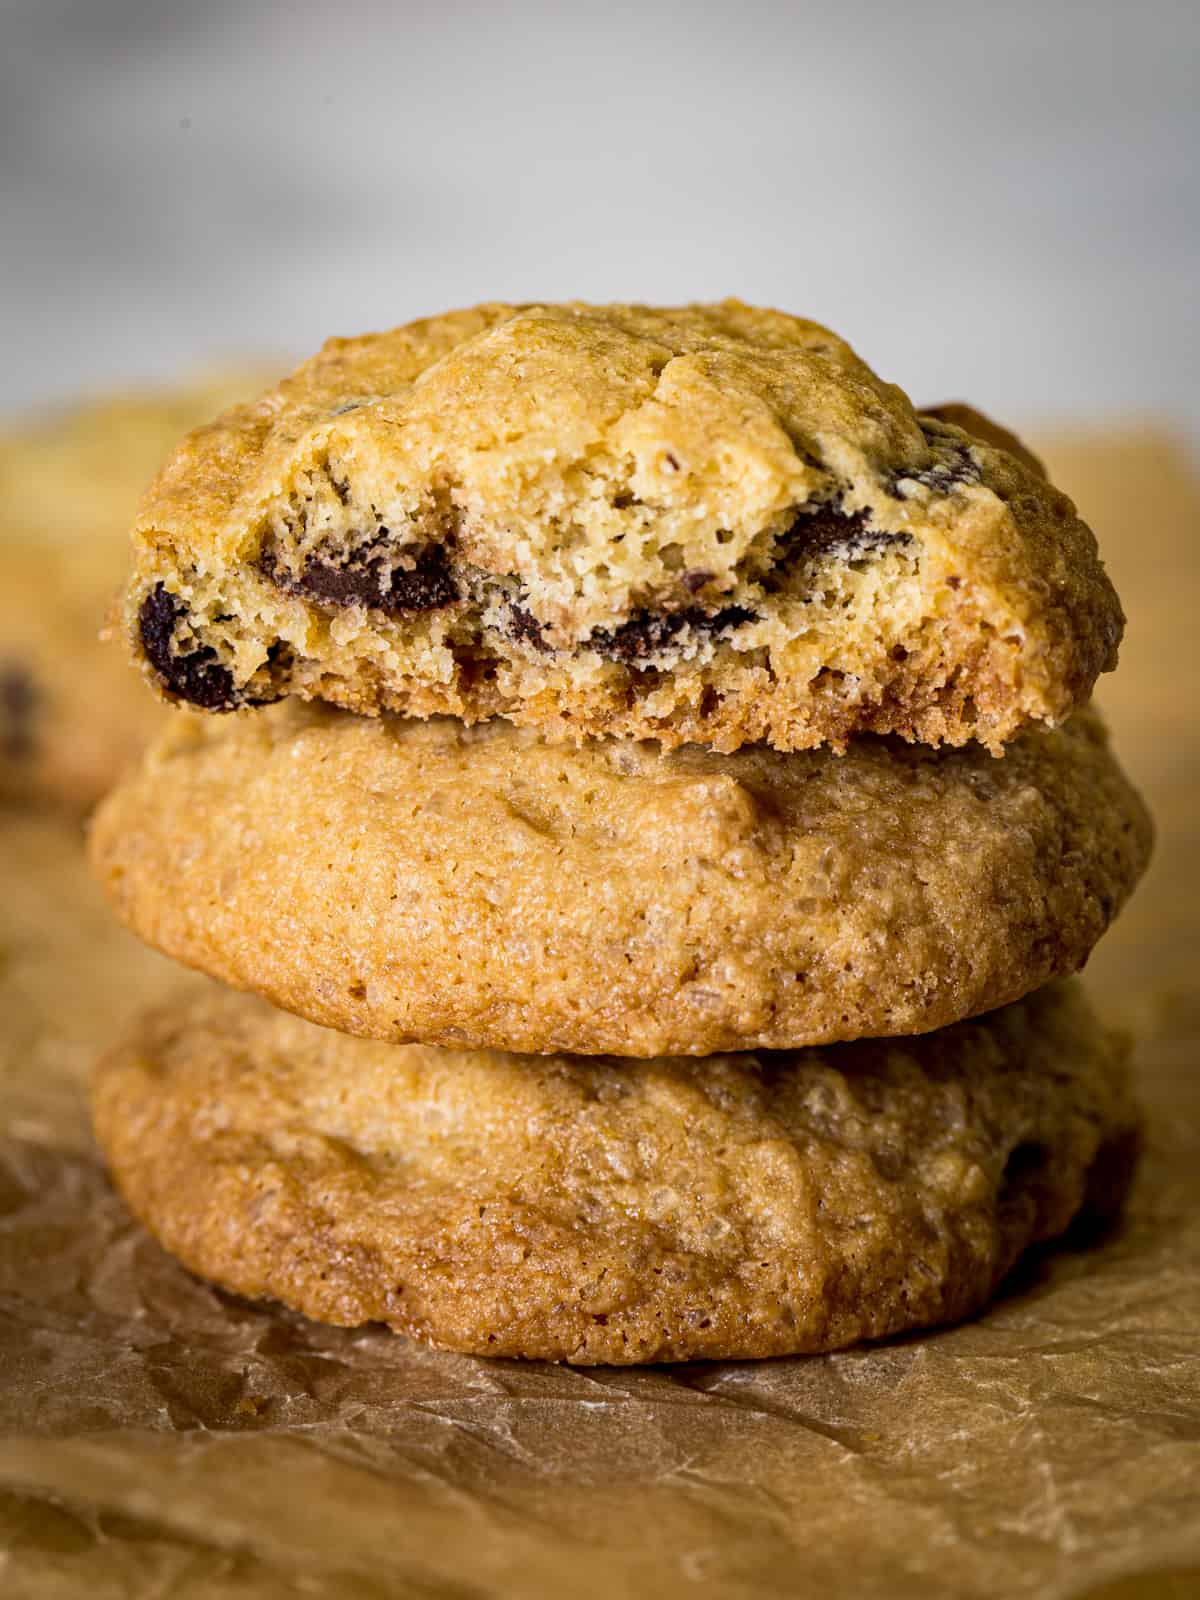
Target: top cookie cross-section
(709, 524)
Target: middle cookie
(482, 886)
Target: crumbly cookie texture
(711, 524)
(598, 1211)
(72, 714)
(490, 886)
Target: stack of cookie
(655, 743)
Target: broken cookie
(711, 524)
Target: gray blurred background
(993, 201)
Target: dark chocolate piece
(959, 472)
(18, 710)
(649, 632)
(828, 531)
(371, 578)
(192, 675)
(523, 625)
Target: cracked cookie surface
(490, 886)
(712, 524)
(599, 1211)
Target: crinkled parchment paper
(159, 1438)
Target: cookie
(712, 524)
(72, 714)
(489, 886)
(70, 978)
(599, 1211)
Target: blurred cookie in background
(70, 979)
(72, 712)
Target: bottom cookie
(588, 1210)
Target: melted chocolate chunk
(18, 710)
(193, 675)
(649, 632)
(523, 625)
(959, 472)
(372, 578)
(827, 531)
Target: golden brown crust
(409, 880)
(592, 1211)
(710, 524)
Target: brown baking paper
(160, 1438)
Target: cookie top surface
(72, 714)
(710, 524)
(487, 886)
(601, 1211)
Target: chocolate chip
(193, 675)
(649, 632)
(959, 471)
(18, 709)
(371, 578)
(695, 581)
(829, 532)
(523, 625)
(281, 658)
